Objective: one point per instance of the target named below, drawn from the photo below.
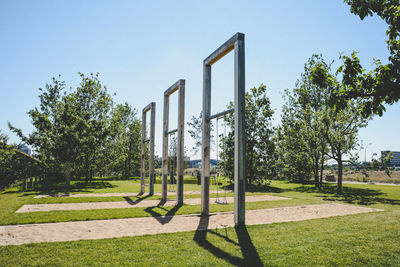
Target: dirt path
(131, 204)
(125, 194)
(99, 229)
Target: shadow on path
(137, 200)
(249, 252)
(163, 219)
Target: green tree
(260, 148)
(123, 147)
(341, 130)
(55, 137)
(70, 128)
(195, 132)
(382, 84)
(301, 134)
(294, 161)
(312, 129)
(92, 105)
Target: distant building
(196, 163)
(26, 149)
(395, 159)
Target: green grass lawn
(358, 240)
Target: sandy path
(99, 229)
(131, 204)
(125, 194)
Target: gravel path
(126, 194)
(99, 229)
(131, 204)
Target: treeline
(82, 132)
(312, 131)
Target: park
(86, 185)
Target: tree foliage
(302, 145)
(260, 147)
(81, 132)
(312, 130)
(376, 87)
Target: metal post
(240, 140)
(164, 182)
(143, 158)
(181, 152)
(205, 173)
(151, 164)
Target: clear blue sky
(140, 48)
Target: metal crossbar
(223, 113)
(171, 132)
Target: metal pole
(165, 150)
(205, 173)
(181, 147)
(151, 164)
(240, 140)
(143, 158)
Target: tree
(294, 160)
(341, 129)
(70, 128)
(376, 87)
(55, 136)
(312, 129)
(92, 105)
(303, 145)
(122, 150)
(196, 130)
(260, 148)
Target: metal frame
(180, 87)
(152, 107)
(236, 43)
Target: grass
(357, 240)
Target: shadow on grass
(61, 188)
(361, 196)
(257, 188)
(111, 178)
(249, 252)
(163, 219)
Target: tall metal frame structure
(180, 87)
(152, 107)
(235, 43)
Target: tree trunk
(321, 171)
(340, 174)
(126, 170)
(316, 178)
(24, 183)
(68, 173)
(250, 170)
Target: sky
(140, 48)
